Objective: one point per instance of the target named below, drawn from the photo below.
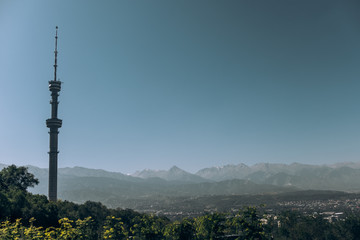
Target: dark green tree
(349, 228)
(295, 225)
(114, 229)
(14, 182)
(41, 209)
(17, 177)
(4, 206)
(247, 225)
(180, 230)
(210, 226)
(148, 227)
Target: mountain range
(80, 184)
(340, 176)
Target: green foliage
(210, 226)
(91, 220)
(180, 230)
(295, 225)
(114, 229)
(17, 177)
(348, 229)
(148, 227)
(66, 231)
(247, 224)
(44, 211)
(87, 228)
(4, 206)
(11, 230)
(14, 182)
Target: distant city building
(54, 124)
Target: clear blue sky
(152, 84)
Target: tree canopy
(17, 178)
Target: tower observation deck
(54, 123)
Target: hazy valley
(223, 188)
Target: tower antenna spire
(56, 52)
(54, 123)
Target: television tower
(54, 124)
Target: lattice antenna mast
(56, 52)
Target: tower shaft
(54, 123)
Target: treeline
(27, 216)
